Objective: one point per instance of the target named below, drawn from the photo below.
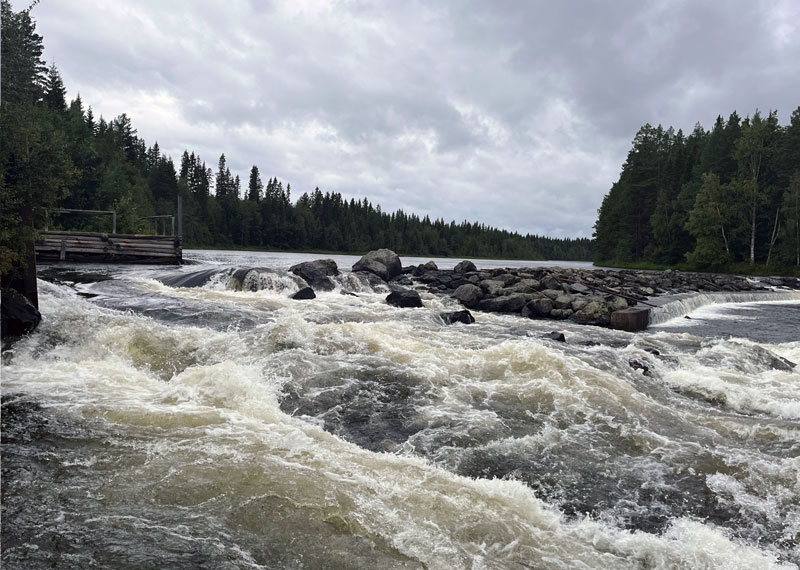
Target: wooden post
(180, 216)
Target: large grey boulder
(425, 267)
(525, 286)
(492, 286)
(404, 298)
(468, 294)
(382, 262)
(504, 304)
(317, 273)
(538, 308)
(464, 267)
(594, 313)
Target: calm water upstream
(156, 426)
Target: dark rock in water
(505, 304)
(424, 268)
(538, 308)
(687, 317)
(457, 317)
(405, 298)
(346, 292)
(639, 365)
(19, 316)
(370, 279)
(464, 267)
(382, 262)
(317, 273)
(304, 293)
(557, 336)
(632, 320)
(468, 294)
(401, 280)
(194, 279)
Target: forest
(55, 154)
(727, 199)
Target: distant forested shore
(727, 199)
(56, 154)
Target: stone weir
(619, 299)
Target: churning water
(159, 419)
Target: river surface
(149, 425)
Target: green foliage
(712, 199)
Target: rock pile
(584, 296)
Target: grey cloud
(517, 114)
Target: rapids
(173, 419)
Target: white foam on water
(712, 305)
(204, 405)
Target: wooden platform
(82, 247)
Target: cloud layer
(518, 114)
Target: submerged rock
(382, 262)
(405, 298)
(557, 336)
(317, 273)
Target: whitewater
(148, 425)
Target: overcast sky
(516, 114)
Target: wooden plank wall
(108, 248)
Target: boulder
(457, 317)
(304, 293)
(594, 313)
(492, 286)
(538, 308)
(563, 302)
(468, 295)
(552, 293)
(405, 298)
(19, 316)
(579, 303)
(505, 304)
(464, 267)
(401, 280)
(317, 273)
(525, 286)
(382, 262)
(429, 266)
(550, 282)
(561, 313)
(557, 336)
(579, 288)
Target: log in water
(155, 425)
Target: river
(154, 426)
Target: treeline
(709, 200)
(57, 154)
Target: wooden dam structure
(94, 247)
